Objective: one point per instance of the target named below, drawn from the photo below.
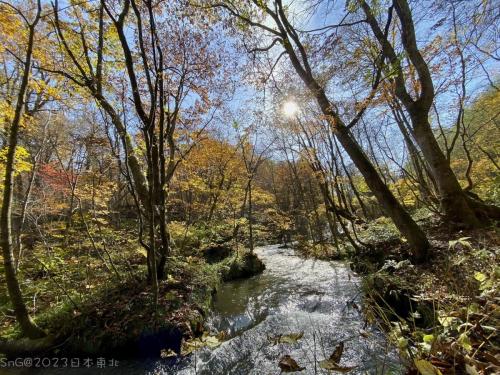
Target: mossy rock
(243, 265)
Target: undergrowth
(442, 315)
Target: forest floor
(444, 314)
(92, 295)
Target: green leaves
(464, 341)
(485, 282)
(481, 277)
(429, 339)
(446, 320)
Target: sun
(290, 108)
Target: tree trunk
(454, 203)
(24, 207)
(250, 215)
(403, 221)
(423, 186)
(28, 327)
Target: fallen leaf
(221, 336)
(337, 353)
(291, 338)
(364, 333)
(211, 341)
(426, 368)
(288, 364)
(491, 358)
(332, 363)
(190, 346)
(168, 353)
(328, 364)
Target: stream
(293, 295)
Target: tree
(253, 155)
(455, 204)
(167, 84)
(28, 327)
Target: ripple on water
(292, 295)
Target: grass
(96, 297)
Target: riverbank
(105, 307)
(443, 314)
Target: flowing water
(292, 295)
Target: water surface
(292, 295)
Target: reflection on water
(292, 295)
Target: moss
(381, 230)
(80, 300)
(396, 300)
(243, 264)
(324, 251)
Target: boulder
(243, 265)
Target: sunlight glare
(290, 108)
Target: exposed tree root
(482, 209)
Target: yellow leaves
(12, 30)
(404, 189)
(260, 196)
(426, 368)
(99, 195)
(22, 160)
(214, 172)
(189, 346)
(142, 251)
(21, 164)
(42, 87)
(7, 113)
